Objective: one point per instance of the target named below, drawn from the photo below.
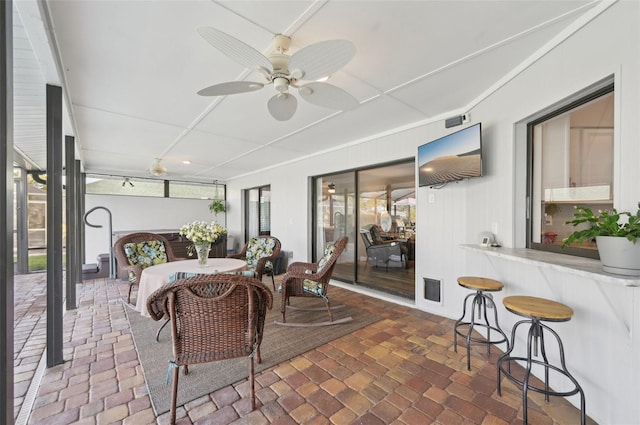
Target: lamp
(125, 181)
(331, 188)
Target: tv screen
(456, 156)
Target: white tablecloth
(155, 276)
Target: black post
(82, 190)
(72, 220)
(54, 226)
(6, 211)
(79, 214)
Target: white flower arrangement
(203, 233)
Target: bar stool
(538, 310)
(479, 302)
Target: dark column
(6, 211)
(82, 190)
(54, 226)
(72, 222)
(22, 236)
(79, 212)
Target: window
(197, 190)
(570, 163)
(257, 206)
(115, 185)
(129, 186)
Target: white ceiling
(130, 71)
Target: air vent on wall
(432, 289)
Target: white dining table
(154, 277)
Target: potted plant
(616, 235)
(217, 206)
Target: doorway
(359, 203)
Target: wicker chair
(137, 251)
(213, 317)
(260, 254)
(311, 280)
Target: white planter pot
(619, 255)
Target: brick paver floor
(401, 370)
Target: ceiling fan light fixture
(331, 188)
(157, 169)
(281, 84)
(297, 74)
(305, 91)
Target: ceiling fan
(157, 169)
(302, 70)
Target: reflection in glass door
(335, 217)
(375, 208)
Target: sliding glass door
(375, 208)
(335, 216)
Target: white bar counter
(585, 267)
(601, 341)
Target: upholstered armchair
(137, 251)
(311, 280)
(260, 253)
(380, 252)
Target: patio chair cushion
(328, 252)
(311, 286)
(258, 248)
(145, 254)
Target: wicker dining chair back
(311, 279)
(213, 317)
(137, 251)
(260, 253)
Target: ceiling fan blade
(327, 95)
(282, 106)
(231, 87)
(236, 49)
(322, 59)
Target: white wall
(133, 213)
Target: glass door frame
(354, 235)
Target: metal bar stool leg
(538, 310)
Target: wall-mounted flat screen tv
(456, 156)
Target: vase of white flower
(202, 235)
(203, 254)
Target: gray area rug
(280, 343)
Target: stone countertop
(586, 267)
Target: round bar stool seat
(538, 310)
(480, 301)
(480, 283)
